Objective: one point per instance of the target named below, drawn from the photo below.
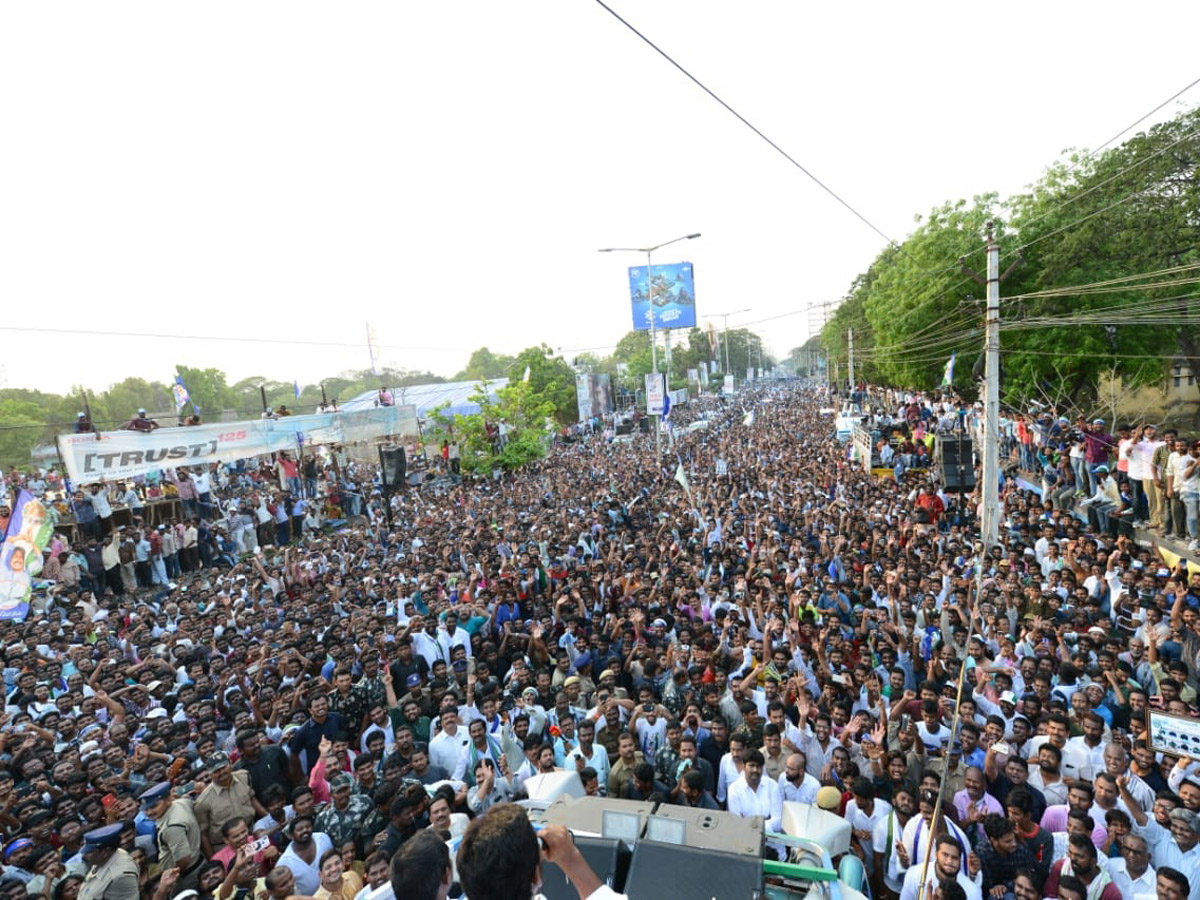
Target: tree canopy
(1104, 247)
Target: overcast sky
(447, 171)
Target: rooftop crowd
(278, 695)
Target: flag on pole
(525, 378)
(748, 419)
(296, 388)
(179, 389)
(666, 413)
(948, 375)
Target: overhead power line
(817, 181)
(216, 337)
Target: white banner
(655, 390)
(109, 455)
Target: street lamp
(650, 299)
(726, 316)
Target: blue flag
(666, 413)
(296, 388)
(180, 391)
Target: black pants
(144, 577)
(113, 578)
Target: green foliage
(745, 349)
(1132, 209)
(550, 379)
(485, 364)
(23, 426)
(526, 414)
(634, 351)
(207, 388)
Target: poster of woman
(28, 532)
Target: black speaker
(395, 465)
(609, 859)
(956, 463)
(624, 428)
(644, 425)
(670, 870)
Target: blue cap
(154, 793)
(108, 836)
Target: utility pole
(851, 364)
(989, 513)
(653, 337)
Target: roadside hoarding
(670, 297)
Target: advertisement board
(670, 297)
(656, 389)
(1173, 735)
(593, 395)
(107, 455)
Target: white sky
(447, 171)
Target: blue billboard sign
(670, 297)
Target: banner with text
(656, 389)
(120, 454)
(670, 297)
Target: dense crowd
(280, 695)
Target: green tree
(122, 400)
(550, 379)
(633, 350)
(22, 430)
(745, 350)
(208, 389)
(1131, 209)
(483, 363)
(527, 417)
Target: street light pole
(650, 300)
(726, 316)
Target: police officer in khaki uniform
(177, 833)
(112, 874)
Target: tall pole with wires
(653, 336)
(990, 514)
(850, 366)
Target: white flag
(681, 477)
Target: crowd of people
(316, 710)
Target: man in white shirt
(753, 795)
(889, 852)
(864, 812)
(796, 784)
(451, 636)
(589, 753)
(1046, 775)
(1132, 872)
(448, 745)
(426, 640)
(947, 865)
(1141, 474)
(731, 767)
